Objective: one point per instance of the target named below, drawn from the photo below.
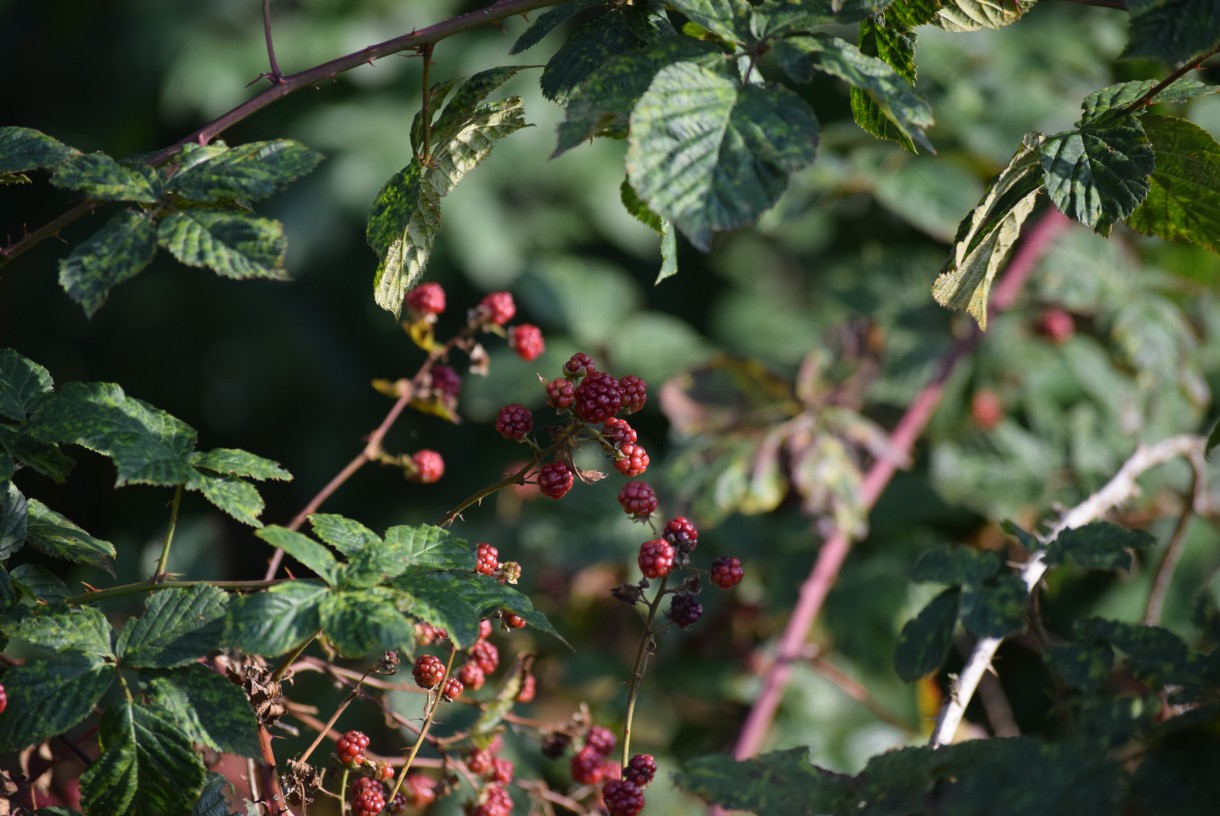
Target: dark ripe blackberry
(682, 535)
(446, 382)
(726, 572)
(656, 558)
(428, 671)
(555, 479)
(514, 421)
(555, 744)
(618, 431)
(498, 308)
(453, 689)
(684, 610)
(640, 770)
(622, 797)
(634, 460)
(488, 559)
(579, 365)
(486, 655)
(560, 393)
(350, 748)
(598, 397)
(638, 499)
(427, 298)
(635, 393)
(600, 739)
(526, 340)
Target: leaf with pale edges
(1182, 202)
(58, 537)
(47, 697)
(974, 15)
(113, 254)
(248, 172)
(179, 626)
(208, 708)
(232, 244)
(99, 176)
(24, 149)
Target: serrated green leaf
(669, 238)
(248, 172)
(895, 97)
(440, 599)
(113, 254)
(1099, 545)
(348, 536)
(99, 176)
(427, 545)
(436, 97)
(179, 626)
(895, 47)
(602, 104)
(28, 149)
(212, 801)
(147, 764)
(987, 234)
(710, 154)
(58, 537)
(14, 519)
(81, 629)
(357, 622)
(549, 21)
(974, 15)
(1085, 665)
(406, 215)
(47, 697)
(379, 561)
(589, 47)
(779, 782)
(147, 445)
(463, 107)
(1172, 30)
(45, 458)
(1155, 655)
(38, 583)
(276, 621)
(1110, 99)
(231, 244)
(238, 498)
(778, 18)
(907, 14)
(488, 596)
(1099, 173)
(959, 565)
(925, 640)
(304, 549)
(1182, 202)
(22, 383)
(208, 709)
(995, 608)
(233, 462)
(730, 19)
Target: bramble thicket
(793, 407)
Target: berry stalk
(647, 645)
(429, 715)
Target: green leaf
(247, 172)
(778, 18)
(464, 106)
(925, 640)
(406, 215)
(590, 46)
(101, 177)
(39, 584)
(986, 236)
(113, 254)
(276, 621)
(58, 537)
(47, 459)
(430, 546)
(180, 625)
(436, 97)
(148, 446)
(669, 238)
(24, 149)
(895, 47)
(730, 19)
(363, 621)
(1114, 97)
(440, 598)
(208, 709)
(710, 154)
(231, 244)
(995, 608)
(237, 498)
(1172, 30)
(892, 93)
(973, 15)
(1155, 655)
(549, 21)
(212, 801)
(47, 697)
(233, 462)
(1085, 665)
(1099, 545)
(22, 383)
(779, 782)
(1026, 539)
(345, 535)
(1098, 174)
(14, 519)
(147, 764)
(304, 549)
(959, 565)
(1182, 202)
(82, 629)
(488, 596)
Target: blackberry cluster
(472, 676)
(453, 689)
(446, 382)
(485, 655)
(428, 671)
(641, 768)
(350, 748)
(682, 535)
(635, 393)
(579, 365)
(684, 610)
(495, 802)
(598, 397)
(560, 394)
(633, 460)
(618, 431)
(426, 634)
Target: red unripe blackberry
(428, 671)
(726, 572)
(526, 340)
(479, 761)
(488, 559)
(1057, 325)
(623, 797)
(635, 393)
(560, 393)
(634, 460)
(3, 699)
(579, 365)
(498, 308)
(485, 655)
(555, 479)
(598, 397)
(453, 689)
(426, 634)
(496, 802)
(350, 748)
(618, 431)
(986, 409)
(638, 499)
(427, 298)
(529, 687)
(555, 744)
(511, 620)
(640, 770)
(472, 676)
(600, 739)
(681, 534)
(429, 467)
(685, 610)
(367, 796)
(485, 630)
(501, 771)
(422, 790)
(446, 382)
(383, 771)
(514, 421)
(586, 766)
(656, 558)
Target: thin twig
(1122, 487)
(834, 551)
(1156, 89)
(169, 534)
(275, 76)
(1163, 576)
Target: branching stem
(141, 587)
(275, 76)
(647, 644)
(429, 716)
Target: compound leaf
(240, 463)
(47, 697)
(180, 625)
(973, 15)
(345, 535)
(113, 254)
(1182, 202)
(549, 21)
(208, 708)
(430, 546)
(304, 549)
(24, 149)
(81, 629)
(276, 621)
(592, 45)
(1099, 545)
(1172, 30)
(22, 383)
(710, 154)
(779, 782)
(1121, 94)
(958, 565)
(99, 176)
(440, 599)
(247, 172)
(924, 642)
(995, 608)
(238, 498)
(231, 244)
(361, 621)
(1098, 174)
(58, 537)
